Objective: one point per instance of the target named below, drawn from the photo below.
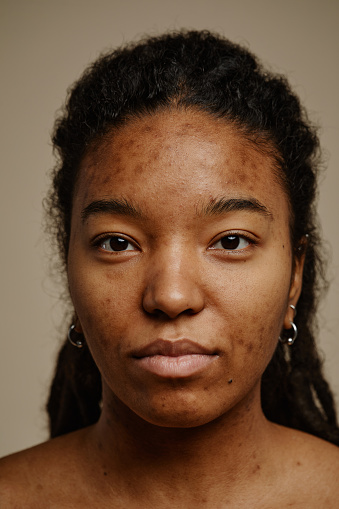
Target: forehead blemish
(171, 154)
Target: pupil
(230, 242)
(118, 244)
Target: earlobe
(78, 327)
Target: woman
(183, 204)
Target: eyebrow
(215, 207)
(224, 205)
(112, 206)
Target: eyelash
(238, 237)
(232, 236)
(102, 239)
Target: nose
(173, 287)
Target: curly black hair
(203, 71)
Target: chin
(184, 411)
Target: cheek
(253, 304)
(103, 305)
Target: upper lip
(172, 348)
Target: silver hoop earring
(290, 340)
(75, 338)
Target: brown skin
(187, 441)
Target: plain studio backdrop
(45, 45)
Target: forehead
(175, 152)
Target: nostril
(161, 314)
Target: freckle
(138, 169)
(298, 463)
(105, 473)
(154, 156)
(205, 388)
(127, 143)
(257, 467)
(230, 381)
(249, 347)
(107, 179)
(254, 455)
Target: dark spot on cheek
(105, 473)
(256, 469)
(298, 463)
(230, 381)
(249, 347)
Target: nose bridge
(172, 281)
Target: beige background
(44, 47)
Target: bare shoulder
(30, 478)
(311, 469)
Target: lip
(174, 359)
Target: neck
(223, 453)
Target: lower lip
(176, 367)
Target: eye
(232, 242)
(114, 243)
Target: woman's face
(180, 266)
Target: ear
(295, 289)
(78, 327)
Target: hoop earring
(289, 341)
(75, 338)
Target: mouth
(174, 359)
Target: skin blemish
(249, 347)
(118, 303)
(256, 469)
